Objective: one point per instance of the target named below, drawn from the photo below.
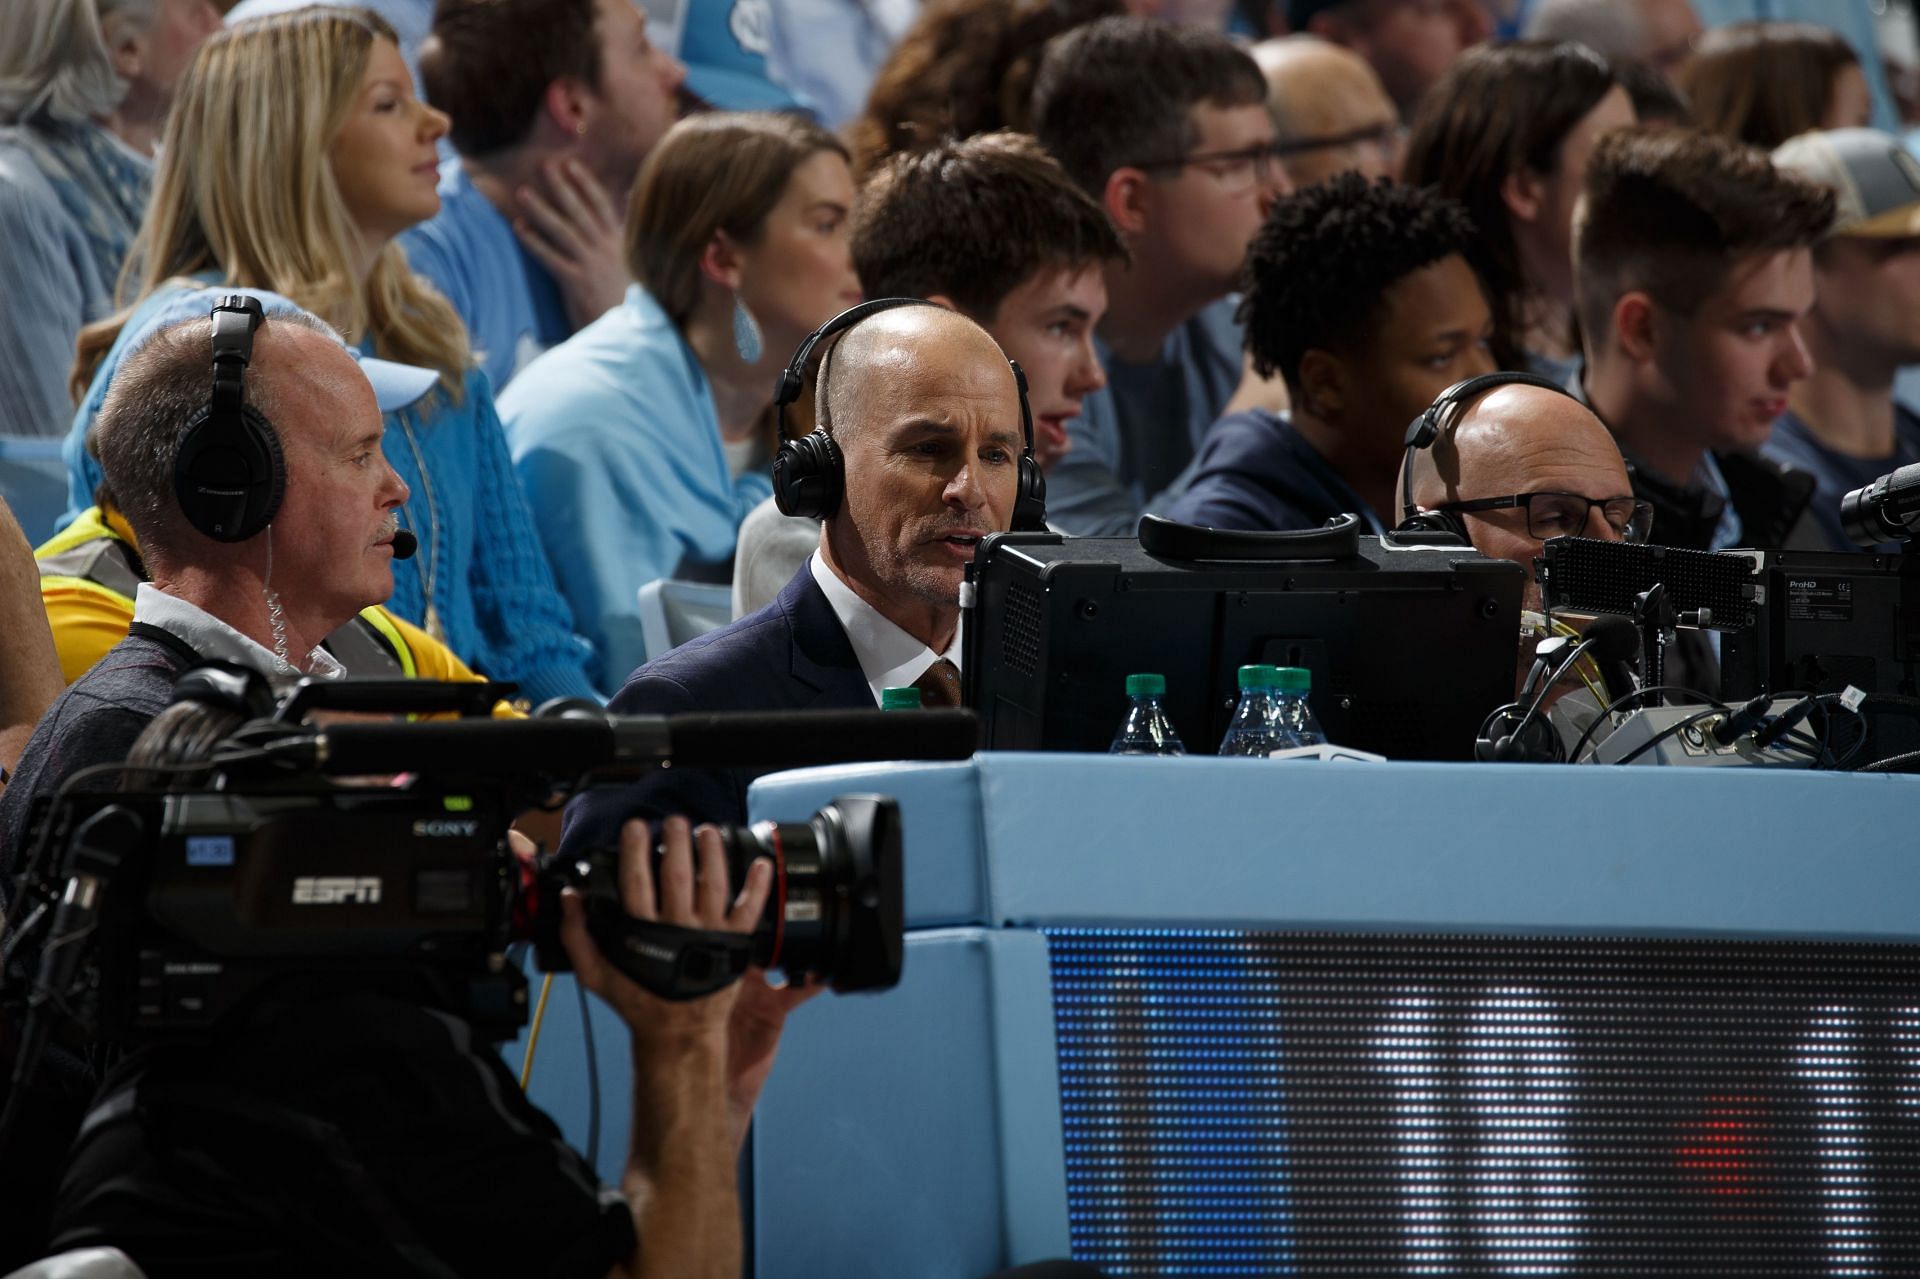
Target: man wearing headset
(917, 458)
(257, 570)
(1511, 461)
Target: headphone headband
(1424, 431)
(809, 474)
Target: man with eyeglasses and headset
(1331, 111)
(1521, 464)
(1167, 129)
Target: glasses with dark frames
(1239, 169)
(1553, 514)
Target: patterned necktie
(939, 685)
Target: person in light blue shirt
(84, 93)
(550, 134)
(479, 582)
(1167, 128)
(643, 441)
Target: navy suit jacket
(791, 655)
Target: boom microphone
(404, 544)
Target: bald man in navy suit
(925, 411)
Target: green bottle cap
(1146, 685)
(1259, 677)
(1293, 679)
(900, 699)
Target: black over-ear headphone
(1441, 415)
(229, 474)
(810, 476)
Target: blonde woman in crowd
(296, 153)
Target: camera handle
(665, 959)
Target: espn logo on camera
(336, 890)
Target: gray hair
(1612, 28)
(54, 57)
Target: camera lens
(835, 911)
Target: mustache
(388, 527)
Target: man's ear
(720, 261)
(1524, 194)
(126, 41)
(1637, 324)
(1128, 197)
(566, 103)
(1323, 384)
(941, 299)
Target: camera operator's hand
(680, 1167)
(753, 1037)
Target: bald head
(1519, 439)
(880, 358)
(1516, 440)
(1318, 91)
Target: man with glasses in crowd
(1330, 110)
(1167, 128)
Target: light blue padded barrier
(1501, 847)
(943, 1092)
(884, 1144)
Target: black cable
(1674, 729)
(593, 1077)
(1638, 693)
(1907, 762)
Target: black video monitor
(1829, 619)
(1409, 646)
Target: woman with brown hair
(1507, 133)
(1764, 82)
(643, 440)
(964, 67)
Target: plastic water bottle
(1295, 682)
(1146, 730)
(906, 698)
(1259, 724)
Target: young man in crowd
(555, 104)
(1167, 128)
(1693, 271)
(1361, 297)
(1842, 424)
(992, 227)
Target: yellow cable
(533, 1031)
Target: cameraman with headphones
(246, 456)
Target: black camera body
(416, 893)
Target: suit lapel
(822, 656)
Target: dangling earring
(746, 333)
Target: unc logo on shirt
(751, 23)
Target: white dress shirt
(889, 657)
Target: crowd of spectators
(520, 277)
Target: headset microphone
(1611, 640)
(404, 544)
